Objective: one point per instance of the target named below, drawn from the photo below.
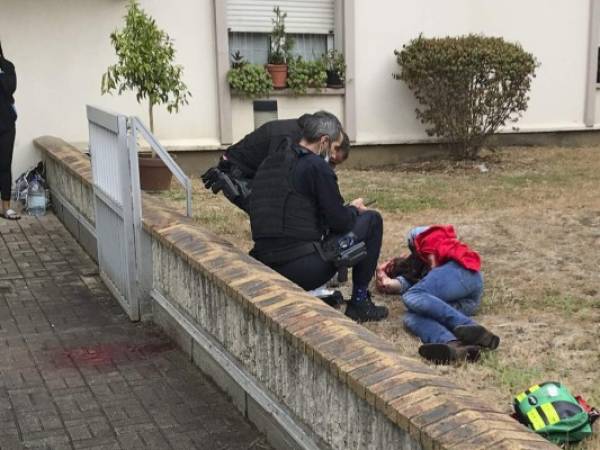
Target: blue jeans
(442, 300)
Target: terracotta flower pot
(154, 174)
(278, 74)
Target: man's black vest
(277, 210)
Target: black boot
(366, 311)
(477, 335)
(450, 352)
(335, 300)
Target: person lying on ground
(237, 167)
(441, 285)
(296, 202)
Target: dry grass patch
(535, 219)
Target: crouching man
(237, 167)
(441, 286)
(300, 225)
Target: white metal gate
(118, 205)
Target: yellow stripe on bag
(522, 396)
(535, 419)
(551, 413)
(532, 389)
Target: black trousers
(310, 271)
(7, 144)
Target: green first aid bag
(551, 410)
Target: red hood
(441, 241)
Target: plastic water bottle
(36, 199)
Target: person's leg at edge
(368, 229)
(7, 140)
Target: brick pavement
(76, 373)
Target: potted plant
(306, 74)
(146, 66)
(336, 68)
(281, 45)
(248, 80)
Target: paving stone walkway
(76, 373)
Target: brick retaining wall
(342, 386)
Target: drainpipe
(589, 114)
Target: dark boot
(335, 300)
(450, 352)
(477, 335)
(366, 311)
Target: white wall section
(61, 48)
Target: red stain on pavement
(104, 354)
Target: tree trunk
(151, 115)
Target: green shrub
(467, 86)
(250, 80)
(306, 74)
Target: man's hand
(210, 177)
(218, 181)
(359, 204)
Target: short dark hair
(321, 123)
(1, 52)
(345, 145)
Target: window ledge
(309, 92)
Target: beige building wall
(555, 31)
(288, 107)
(61, 48)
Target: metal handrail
(137, 125)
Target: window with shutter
(309, 22)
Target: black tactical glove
(218, 181)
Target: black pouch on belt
(342, 251)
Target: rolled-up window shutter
(303, 16)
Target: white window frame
(344, 41)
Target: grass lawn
(535, 219)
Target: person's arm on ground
(388, 285)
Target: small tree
(468, 86)
(145, 64)
(281, 42)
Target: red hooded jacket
(441, 241)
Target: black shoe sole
(357, 317)
(477, 335)
(444, 354)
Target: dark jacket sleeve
(337, 217)
(8, 79)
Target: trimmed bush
(250, 80)
(467, 86)
(306, 74)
